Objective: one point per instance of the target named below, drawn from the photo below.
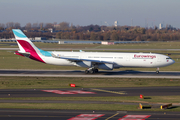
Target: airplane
(90, 60)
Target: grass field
(68, 106)
(71, 106)
(63, 82)
(127, 99)
(150, 45)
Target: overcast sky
(86, 12)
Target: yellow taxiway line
(112, 116)
(120, 92)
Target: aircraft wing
(76, 59)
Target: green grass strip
(131, 99)
(63, 82)
(71, 106)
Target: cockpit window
(168, 58)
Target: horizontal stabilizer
(26, 54)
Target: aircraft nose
(172, 61)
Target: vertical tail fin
(26, 46)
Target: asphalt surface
(90, 92)
(78, 73)
(21, 114)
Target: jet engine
(85, 64)
(106, 66)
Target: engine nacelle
(106, 66)
(85, 64)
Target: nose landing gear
(157, 71)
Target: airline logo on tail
(27, 48)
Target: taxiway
(91, 92)
(78, 73)
(29, 114)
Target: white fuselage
(118, 59)
(91, 60)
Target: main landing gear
(157, 71)
(91, 70)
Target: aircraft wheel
(157, 71)
(86, 71)
(96, 70)
(91, 71)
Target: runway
(29, 114)
(78, 73)
(90, 92)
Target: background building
(160, 26)
(116, 23)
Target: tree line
(65, 30)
